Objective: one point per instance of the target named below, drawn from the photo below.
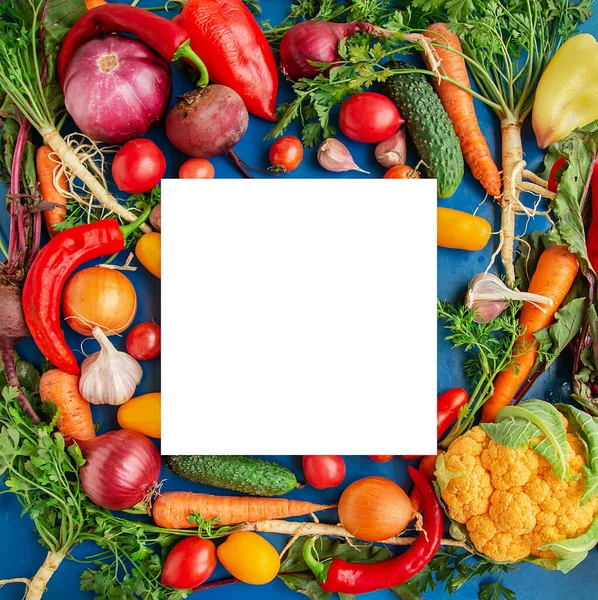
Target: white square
(299, 316)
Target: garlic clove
(108, 376)
(488, 296)
(393, 151)
(335, 156)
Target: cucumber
(254, 476)
(429, 126)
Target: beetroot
(207, 121)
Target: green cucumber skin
(254, 476)
(429, 127)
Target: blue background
(21, 555)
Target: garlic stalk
(393, 151)
(335, 156)
(108, 376)
(487, 296)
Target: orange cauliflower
(510, 500)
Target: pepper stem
(319, 569)
(185, 51)
(127, 230)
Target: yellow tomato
(457, 229)
(249, 557)
(148, 251)
(142, 414)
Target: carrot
(74, 418)
(93, 3)
(45, 167)
(554, 276)
(459, 106)
(427, 466)
(171, 509)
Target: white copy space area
(299, 316)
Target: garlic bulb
(108, 376)
(393, 151)
(335, 156)
(487, 296)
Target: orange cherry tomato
(286, 153)
(401, 172)
(196, 168)
(382, 457)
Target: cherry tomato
(558, 165)
(401, 172)
(138, 166)
(382, 457)
(286, 153)
(196, 168)
(324, 471)
(369, 117)
(142, 414)
(143, 341)
(149, 252)
(249, 557)
(189, 563)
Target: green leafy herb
(517, 426)
(490, 347)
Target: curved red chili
(558, 165)
(168, 39)
(235, 51)
(592, 237)
(340, 576)
(51, 268)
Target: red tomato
(196, 168)
(401, 172)
(324, 471)
(143, 341)
(189, 563)
(138, 166)
(369, 117)
(382, 457)
(286, 153)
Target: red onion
(121, 468)
(317, 41)
(116, 88)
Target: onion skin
(99, 297)
(316, 41)
(374, 509)
(121, 468)
(207, 121)
(116, 88)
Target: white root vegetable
(37, 586)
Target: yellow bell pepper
(567, 94)
(142, 414)
(461, 230)
(148, 252)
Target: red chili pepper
(168, 39)
(340, 576)
(48, 274)
(235, 50)
(449, 405)
(592, 237)
(552, 182)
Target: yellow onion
(99, 297)
(374, 509)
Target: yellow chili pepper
(567, 93)
(142, 414)
(460, 230)
(148, 252)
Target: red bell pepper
(235, 51)
(592, 236)
(49, 272)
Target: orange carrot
(554, 276)
(427, 466)
(171, 509)
(45, 167)
(74, 419)
(459, 106)
(93, 3)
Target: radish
(207, 122)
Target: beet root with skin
(207, 122)
(12, 320)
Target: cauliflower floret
(510, 500)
